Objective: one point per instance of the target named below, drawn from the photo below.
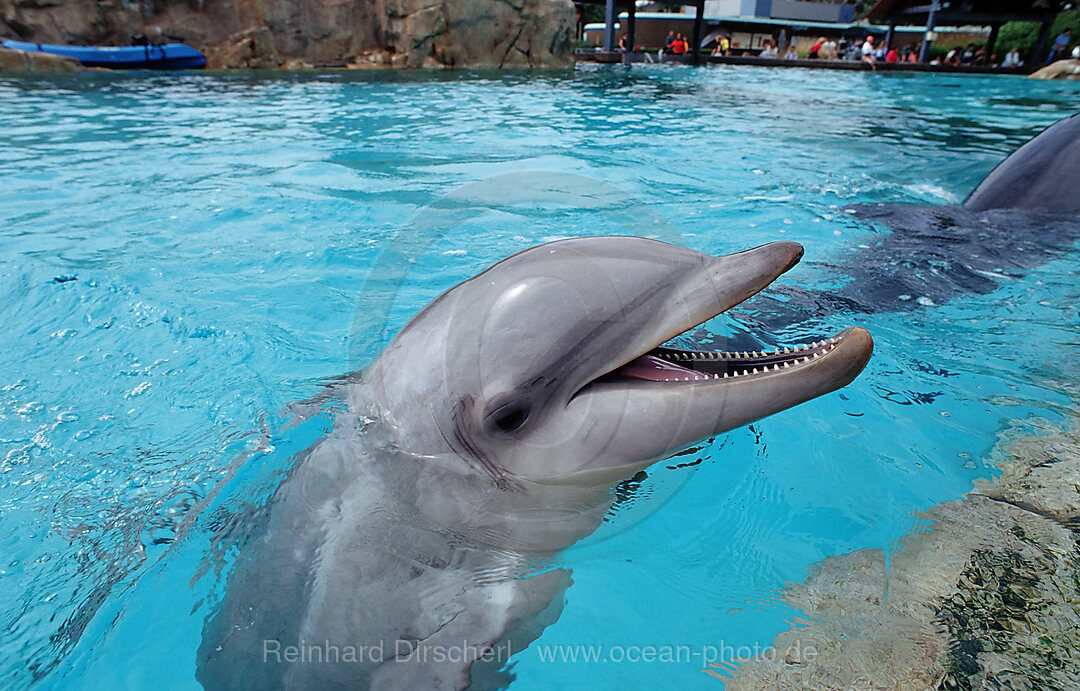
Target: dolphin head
(1040, 175)
(550, 366)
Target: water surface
(182, 258)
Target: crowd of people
(871, 51)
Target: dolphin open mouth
(706, 291)
(672, 365)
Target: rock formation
(985, 595)
(314, 33)
(19, 61)
(1062, 69)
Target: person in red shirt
(892, 55)
(678, 46)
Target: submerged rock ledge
(21, 61)
(297, 34)
(1062, 69)
(986, 595)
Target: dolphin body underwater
(411, 548)
(413, 544)
(1025, 212)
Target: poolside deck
(615, 57)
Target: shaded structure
(992, 13)
(612, 8)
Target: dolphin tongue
(653, 368)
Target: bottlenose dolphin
(411, 548)
(1024, 213)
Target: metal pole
(992, 41)
(699, 10)
(1041, 53)
(931, 20)
(889, 33)
(631, 26)
(609, 26)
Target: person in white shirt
(791, 53)
(1012, 59)
(868, 51)
(768, 50)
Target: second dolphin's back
(1041, 174)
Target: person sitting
(815, 50)
(967, 57)
(1061, 46)
(913, 56)
(1012, 59)
(722, 44)
(868, 51)
(667, 42)
(828, 50)
(791, 53)
(678, 46)
(768, 50)
(893, 56)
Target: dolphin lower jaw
(652, 416)
(675, 365)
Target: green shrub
(1025, 35)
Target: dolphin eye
(509, 417)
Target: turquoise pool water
(184, 257)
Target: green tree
(1025, 35)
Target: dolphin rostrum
(412, 547)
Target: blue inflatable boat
(171, 56)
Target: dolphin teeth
(745, 354)
(725, 375)
(776, 368)
(755, 370)
(817, 355)
(786, 350)
(787, 364)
